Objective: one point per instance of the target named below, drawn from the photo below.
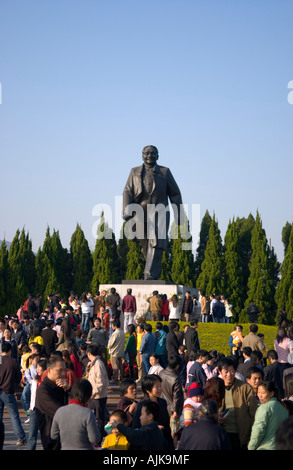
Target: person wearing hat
(192, 404)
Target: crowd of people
(69, 353)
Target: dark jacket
(191, 340)
(274, 373)
(149, 437)
(172, 343)
(49, 398)
(196, 374)
(163, 420)
(10, 375)
(218, 310)
(114, 300)
(19, 336)
(206, 434)
(50, 339)
(172, 390)
(187, 306)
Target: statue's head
(150, 155)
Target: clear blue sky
(87, 84)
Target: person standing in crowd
(187, 306)
(129, 309)
(10, 375)
(228, 311)
(172, 389)
(116, 346)
(235, 342)
(130, 349)
(66, 336)
(86, 306)
(281, 346)
(155, 365)
(218, 311)
(241, 402)
(196, 372)
(7, 338)
(205, 434)
(191, 337)
(140, 369)
(147, 347)
(161, 351)
(114, 301)
(252, 340)
(268, 417)
(155, 304)
(174, 308)
(151, 386)
(172, 341)
(252, 312)
(74, 424)
(128, 400)
(19, 335)
(52, 393)
(212, 303)
(98, 377)
(273, 372)
(99, 336)
(49, 336)
(165, 308)
(254, 376)
(33, 423)
(204, 307)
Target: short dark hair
(253, 370)
(272, 354)
(148, 381)
(93, 349)
(81, 390)
(174, 360)
(201, 352)
(253, 328)
(148, 328)
(152, 408)
(247, 350)
(227, 362)
(159, 325)
(125, 384)
(121, 414)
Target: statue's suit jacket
(164, 187)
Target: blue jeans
(85, 323)
(33, 431)
(204, 318)
(146, 363)
(26, 397)
(9, 400)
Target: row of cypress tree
(242, 266)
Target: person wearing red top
(165, 308)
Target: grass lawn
(216, 335)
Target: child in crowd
(116, 440)
(149, 436)
(192, 405)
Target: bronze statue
(145, 200)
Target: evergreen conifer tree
(234, 289)
(105, 257)
(203, 238)
(135, 261)
(260, 285)
(284, 291)
(82, 262)
(182, 270)
(3, 278)
(211, 278)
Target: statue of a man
(150, 186)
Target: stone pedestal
(143, 289)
